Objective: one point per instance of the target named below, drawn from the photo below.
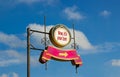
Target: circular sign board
(60, 35)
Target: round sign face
(60, 35)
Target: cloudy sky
(97, 28)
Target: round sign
(60, 35)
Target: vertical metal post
(74, 43)
(28, 52)
(45, 30)
(74, 36)
(45, 38)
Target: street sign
(60, 35)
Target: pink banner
(58, 54)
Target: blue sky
(97, 28)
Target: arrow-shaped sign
(63, 54)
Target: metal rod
(74, 45)
(28, 52)
(45, 38)
(37, 49)
(32, 46)
(39, 31)
(28, 45)
(45, 30)
(74, 36)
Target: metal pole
(45, 38)
(74, 44)
(74, 36)
(28, 52)
(45, 30)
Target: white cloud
(81, 39)
(116, 62)
(28, 2)
(9, 62)
(73, 14)
(4, 75)
(12, 57)
(113, 63)
(48, 2)
(13, 74)
(105, 13)
(108, 47)
(12, 40)
(102, 48)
